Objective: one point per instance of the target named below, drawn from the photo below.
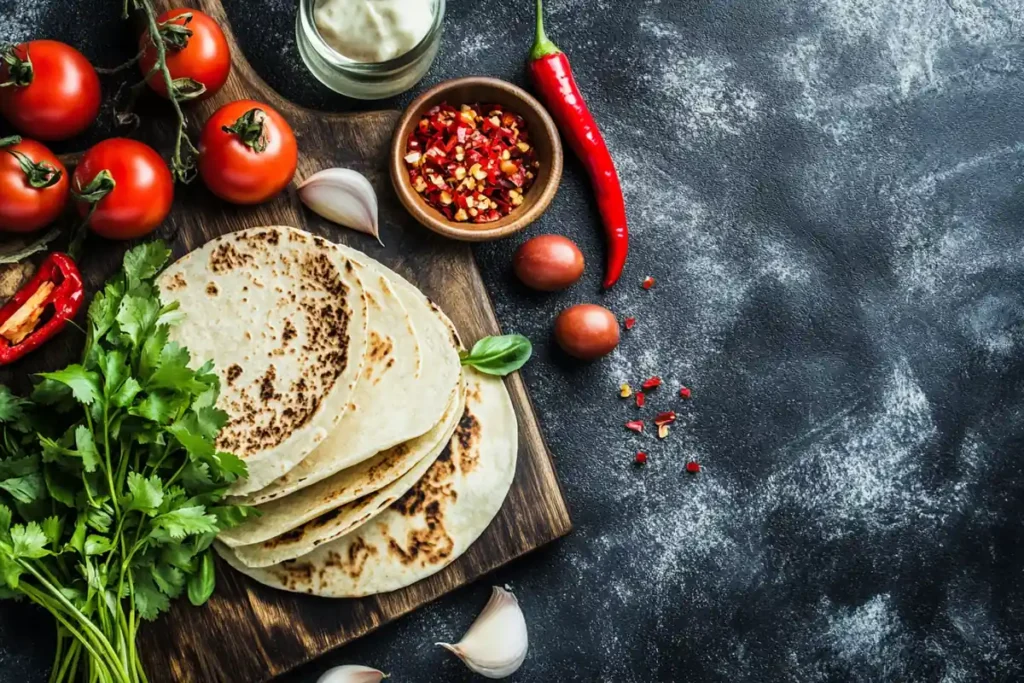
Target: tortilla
(293, 350)
(402, 405)
(350, 484)
(431, 525)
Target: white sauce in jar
(373, 30)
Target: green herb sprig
(499, 355)
(110, 482)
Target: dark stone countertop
(830, 194)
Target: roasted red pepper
(56, 284)
(553, 79)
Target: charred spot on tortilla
(359, 551)
(289, 331)
(296, 236)
(431, 545)
(267, 385)
(435, 485)
(226, 258)
(467, 436)
(234, 372)
(177, 282)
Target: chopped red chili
(685, 393)
(648, 282)
(635, 425)
(651, 383)
(641, 458)
(665, 418)
(640, 398)
(693, 467)
(473, 164)
(629, 323)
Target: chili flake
(651, 383)
(693, 467)
(473, 164)
(648, 282)
(662, 431)
(640, 398)
(635, 425)
(625, 391)
(629, 323)
(641, 458)
(685, 393)
(665, 418)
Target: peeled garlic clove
(352, 673)
(343, 196)
(495, 645)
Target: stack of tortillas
(374, 457)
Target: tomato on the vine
(50, 90)
(196, 52)
(124, 188)
(247, 152)
(33, 186)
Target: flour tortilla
(429, 527)
(283, 316)
(403, 405)
(350, 484)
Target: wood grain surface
(248, 633)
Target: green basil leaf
(202, 583)
(499, 355)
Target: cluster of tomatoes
(122, 187)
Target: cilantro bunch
(110, 483)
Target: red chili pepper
(629, 322)
(635, 425)
(693, 467)
(651, 383)
(665, 418)
(641, 458)
(640, 398)
(552, 77)
(685, 393)
(59, 272)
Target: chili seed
(662, 431)
(625, 391)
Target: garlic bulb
(343, 196)
(495, 645)
(352, 673)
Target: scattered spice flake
(625, 391)
(648, 282)
(629, 323)
(665, 418)
(640, 398)
(685, 393)
(635, 425)
(693, 467)
(662, 431)
(641, 458)
(651, 383)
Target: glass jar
(365, 80)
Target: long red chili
(66, 298)
(553, 80)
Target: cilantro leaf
(157, 407)
(198, 446)
(84, 384)
(10, 571)
(114, 364)
(127, 392)
(5, 522)
(210, 420)
(56, 394)
(186, 521)
(96, 545)
(169, 579)
(86, 446)
(56, 487)
(53, 528)
(103, 309)
(148, 599)
(18, 467)
(144, 261)
(12, 408)
(25, 489)
(136, 317)
(28, 541)
(147, 495)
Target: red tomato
(142, 188)
(55, 93)
(33, 187)
(205, 58)
(247, 152)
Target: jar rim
(340, 61)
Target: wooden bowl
(543, 137)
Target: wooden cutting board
(248, 633)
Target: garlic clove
(343, 196)
(495, 645)
(352, 673)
